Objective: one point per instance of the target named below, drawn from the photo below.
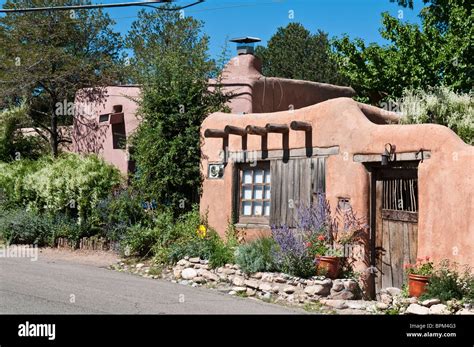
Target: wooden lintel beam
(302, 126)
(256, 130)
(277, 128)
(231, 129)
(215, 133)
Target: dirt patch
(87, 257)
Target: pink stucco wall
(445, 181)
(90, 136)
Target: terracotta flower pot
(330, 265)
(417, 284)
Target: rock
(265, 287)
(381, 306)
(289, 289)
(417, 309)
(351, 285)
(327, 282)
(439, 309)
(358, 304)
(208, 275)
(199, 279)
(251, 292)
(228, 271)
(337, 304)
(317, 290)
(252, 284)
(342, 295)
(229, 266)
(337, 286)
(257, 275)
(239, 289)
(280, 280)
(393, 291)
(219, 269)
(177, 273)
(188, 273)
(430, 302)
(265, 296)
(465, 311)
(238, 281)
(275, 289)
(184, 282)
(195, 260)
(386, 299)
(232, 292)
(267, 277)
(140, 265)
(238, 272)
(183, 262)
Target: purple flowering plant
(317, 232)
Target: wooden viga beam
(230, 129)
(302, 126)
(216, 133)
(255, 130)
(277, 128)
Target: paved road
(49, 285)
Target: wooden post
(301, 126)
(230, 129)
(277, 128)
(255, 130)
(215, 133)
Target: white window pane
(246, 208)
(258, 193)
(257, 208)
(266, 208)
(267, 192)
(258, 176)
(267, 176)
(247, 193)
(247, 176)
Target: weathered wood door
(295, 183)
(396, 227)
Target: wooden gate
(396, 225)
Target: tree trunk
(53, 141)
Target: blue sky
(233, 18)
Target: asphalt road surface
(57, 286)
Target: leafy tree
(12, 141)
(47, 56)
(172, 65)
(293, 52)
(435, 53)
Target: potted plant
(329, 239)
(419, 275)
(328, 259)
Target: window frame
(241, 168)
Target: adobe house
(412, 183)
(103, 127)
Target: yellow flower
(201, 231)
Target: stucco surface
(446, 189)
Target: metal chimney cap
(246, 39)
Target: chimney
(245, 45)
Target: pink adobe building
(287, 140)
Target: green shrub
(257, 256)
(70, 184)
(118, 212)
(25, 227)
(447, 283)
